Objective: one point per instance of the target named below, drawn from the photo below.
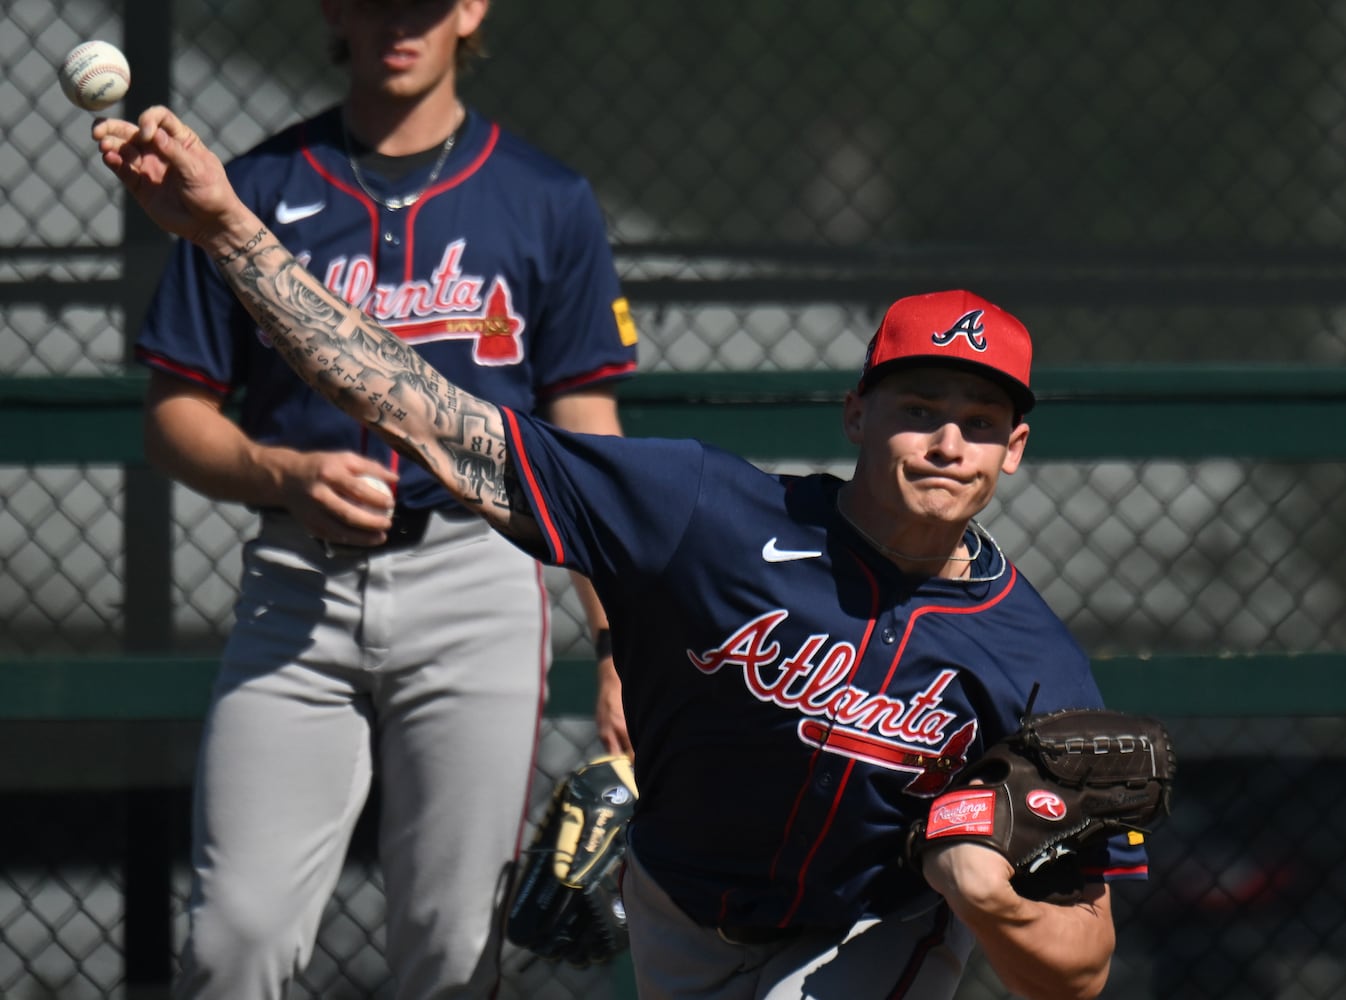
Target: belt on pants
(408, 527)
(407, 531)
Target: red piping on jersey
(173, 368)
(372, 208)
(1119, 871)
(598, 375)
(355, 193)
(822, 835)
(539, 505)
(935, 608)
(813, 760)
(409, 228)
(393, 457)
(897, 658)
(409, 233)
(919, 952)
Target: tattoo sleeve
(376, 378)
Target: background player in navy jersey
(806, 662)
(414, 646)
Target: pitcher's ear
(853, 416)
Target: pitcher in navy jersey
(398, 639)
(806, 661)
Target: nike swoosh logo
(285, 214)
(774, 555)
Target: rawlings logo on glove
(1060, 781)
(567, 907)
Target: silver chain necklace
(981, 534)
(397, 204)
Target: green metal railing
(1266, 413)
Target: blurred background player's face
(402, 49)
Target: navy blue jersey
(500, 275)
(794, 698)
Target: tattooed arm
(333, 346)
(380, 380)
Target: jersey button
(889, 636)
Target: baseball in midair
(95, 75)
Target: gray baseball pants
(919, 957)
(424, 667)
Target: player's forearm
(1045, 951)
(373, 376)
(1041, 951)
(586, 411)
(594, 614)
(191, 441)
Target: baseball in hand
(383, 488)
(95, 75)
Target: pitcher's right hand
(175, 178)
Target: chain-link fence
(1248, 901)
(1142, 183)
(63, 874)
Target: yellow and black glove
(567, 905)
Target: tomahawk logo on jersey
(449, 305)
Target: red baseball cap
(957, 329)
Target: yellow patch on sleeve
(1135, 838)
(626, 326)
